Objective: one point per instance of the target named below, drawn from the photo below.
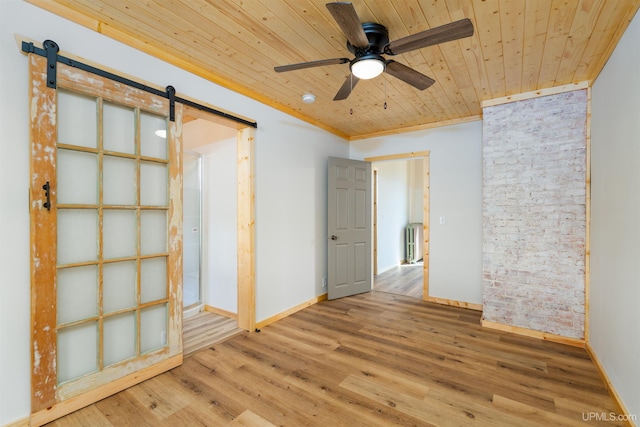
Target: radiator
(413, 239)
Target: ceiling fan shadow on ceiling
(369, 41)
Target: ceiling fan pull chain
(351, 90)
(385, 93)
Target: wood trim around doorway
(246, 252)
(425, 206)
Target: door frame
(425, 210)
(246, 254)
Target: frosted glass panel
(77, 290)
(119, 233)
(118, 286)
(153, 327)
(77, 351)
(119, 181)
(77, 235)
(77, 120)
(153, 184)
(119, 338)
(118, 128)
(153, 279)
(153, 232)
(77, 177)
(191, 229)
(152, 145)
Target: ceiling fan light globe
(367, 68)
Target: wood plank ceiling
(518, 46)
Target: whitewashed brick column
(534, 213)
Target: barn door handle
(47, 194)
(334, 237)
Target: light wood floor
(375, 359)
(402, 280)
(205, 329)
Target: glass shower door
(192, 173)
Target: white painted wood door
(349, 227)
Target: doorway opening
(219, 254)
(401, 224)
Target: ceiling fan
(369, 41)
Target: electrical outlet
(163, 338)
(324, 283)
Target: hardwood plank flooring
(205, 329)
(403, 279)
(374, 359)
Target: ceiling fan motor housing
(378, 37)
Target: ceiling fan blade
(345, 15)
(302, 65)
(444, 33)
(408, 75)
(346, 88)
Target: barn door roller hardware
(51, 50)
(171, 94)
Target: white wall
(290, 184)
(455, 250)
(291, 198)
(220, 190)
(614, 318)
(393, 212)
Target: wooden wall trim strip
(587, 246)
(220, 312)
(426, 223)
(425, 126)
(246, 229)
(534, 334)
(73, 404)
(535, 94)
(401, 156)
(290, 311)
(454, 303)
(605, 378)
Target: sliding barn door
(106, 233)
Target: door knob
(334, 237)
